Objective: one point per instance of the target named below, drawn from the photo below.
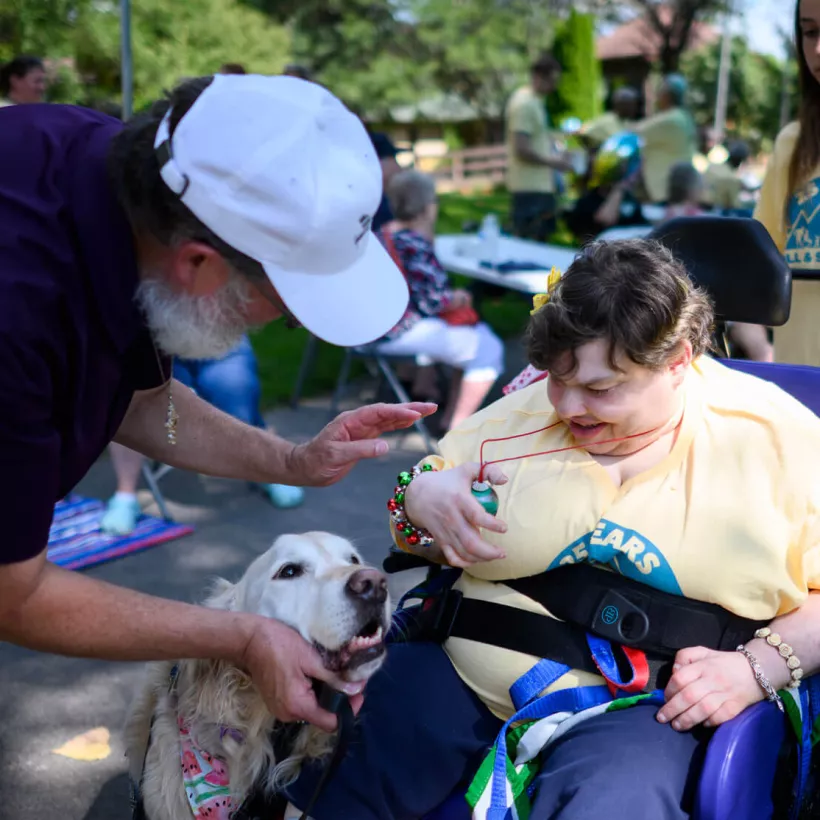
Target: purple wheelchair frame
(741, 761)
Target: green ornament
(405, 478)
(426, 468)
(400, 498)
(408, 530)
(486, 496)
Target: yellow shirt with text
(793, 220)
(527, 114)
(731, 516)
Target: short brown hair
(632, 292)
(545, 66)
(684, 180)
(232, 68)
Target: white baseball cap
(281, 171)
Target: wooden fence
(471, 168)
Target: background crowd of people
(619, 164)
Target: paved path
(45, 701)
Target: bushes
(579, 94)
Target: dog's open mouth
(365, 646)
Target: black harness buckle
(618, 619)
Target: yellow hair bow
(541, 299)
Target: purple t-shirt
(73, 345)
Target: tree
(170, 41)
(672, 22)
(363, 50)
(37, 26)
(755, 86)
(579, 94)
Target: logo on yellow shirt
(803, 237)
(626, 551)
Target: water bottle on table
(490, 234)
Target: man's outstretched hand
(351, 436)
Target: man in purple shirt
(236, 201)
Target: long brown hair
(806, 155)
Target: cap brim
(353, 307)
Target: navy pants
(534, 215)
(422, 734)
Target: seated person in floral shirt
(427, 330)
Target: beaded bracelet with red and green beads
(414, 536)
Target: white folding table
(461, 253)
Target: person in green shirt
(670, 137)
(534, 157)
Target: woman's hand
(708, 687)
(441, 503)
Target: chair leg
(151, 479)
(306, 365)
(341, 382)
(401, 395)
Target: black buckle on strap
(618, 619)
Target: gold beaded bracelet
(786, 652)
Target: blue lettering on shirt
(803, 236)
(626, 551)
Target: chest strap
(587, 599)
(628, 612)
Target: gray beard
(194, 327)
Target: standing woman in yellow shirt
(789, 204)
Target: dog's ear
(222, 595)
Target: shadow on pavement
(112, 801)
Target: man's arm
(214, 443)
(610, 211)
(522, 144)
(208, 441)
(46, 608)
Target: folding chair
(372, 356)
(153, 472)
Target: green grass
(280, 350)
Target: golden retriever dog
(315, 583)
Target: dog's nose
(367, 585)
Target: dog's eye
(354, 559)
(289, 571)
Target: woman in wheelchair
(639, 469)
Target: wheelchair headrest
(736, 262)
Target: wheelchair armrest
(400, 561)
(740, 765)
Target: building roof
(637, 38)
